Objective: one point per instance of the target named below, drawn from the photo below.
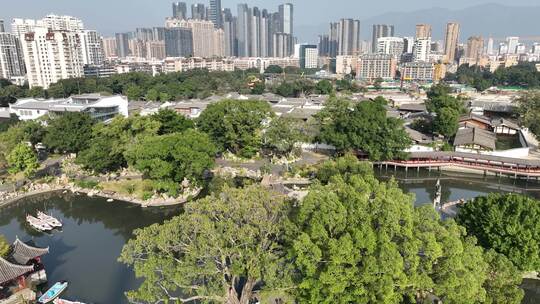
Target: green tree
(439, 97)
(22, 159)
(37, 92)
(446, 122)
(281, 136)
(69, 132)
(174, 157)
(106, 150)
(363, 127)
(377, 84)
(235, 125)
(357, 240)
(529, 111)
(502, 284)
(258, 88)
(4, 247)
(508, 224)
(225, 248)
(172, 122)
(324, 87)
(101, 156)
(286, 89)
(151, 95)
(274, 69)
(134, 92)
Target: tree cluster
(446, 110)
(363, 127)
(139, 86)
(508, 224)
(352, 239)
(523, 75)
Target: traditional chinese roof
(9, 271)
(22, 253)
(476, 136)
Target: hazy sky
(109, 16)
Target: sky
(110, 16)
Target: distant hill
(496, 20)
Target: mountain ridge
(490, 19)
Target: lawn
(136, 188)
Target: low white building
(99, 107)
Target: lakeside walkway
(512, 167)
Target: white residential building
(99, 107)
(50, 56)
(92, 47)
(422, 49)
(391, 45)
(373, 66)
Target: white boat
(38, 224)
(51, 221)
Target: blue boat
(53, 292)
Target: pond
(85, 252)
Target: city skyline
(307, 24)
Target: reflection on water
(85, 252)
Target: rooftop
(476, 136)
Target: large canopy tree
(358, 240)
(507, 223)
(225, 248)
(169, 159)
(69, 132)
(236, 125)
(363, 127)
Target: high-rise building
(536, 48)
(423, 31)
(198, 11)
(179, 10)
(475, 47)
(155, 50)
(328, 44)
(308, 56)
(92, 48)
(490, 49)
(422, 49)
(51, 55)
(408, 44)
(109, 47)
(242, 30)
(144, 34)
(214, 13)
(503, 48)
(286, 12)
(204, 36)
(349, 37)
(229, 33)
(20, 27)
(122, 45)
(11, 56)
(62, 23)
(390, 45)
(178, 42)
(2, 27)
(451, 41)
(282, 45)
(379, 31)
(512, 43)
